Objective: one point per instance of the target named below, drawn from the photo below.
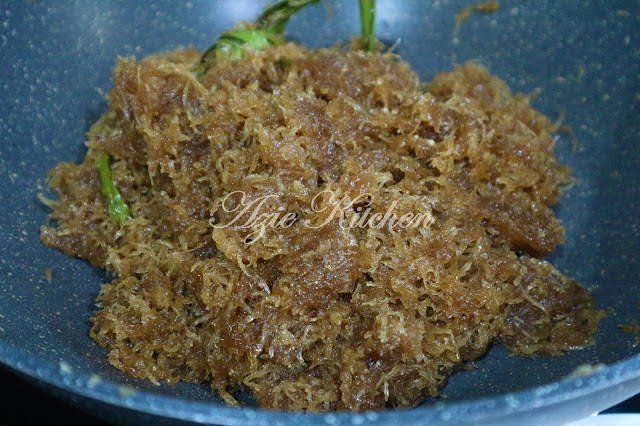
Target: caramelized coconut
(328, 317)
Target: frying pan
(582, 57)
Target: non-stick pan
(582, 57)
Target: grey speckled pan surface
(583, 56)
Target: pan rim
(171, 407)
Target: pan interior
(583, 57)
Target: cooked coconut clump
(322, 311)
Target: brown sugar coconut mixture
(330, 316)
